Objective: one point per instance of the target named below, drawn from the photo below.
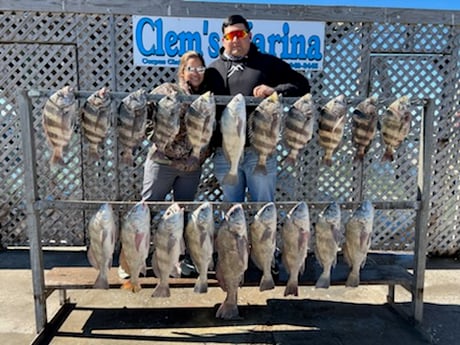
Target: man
(242, 68)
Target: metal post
(33, 221)
(423, 211)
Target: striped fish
(396, 123)
(95, 116)
(58, 120)
(200, 120)
(298, 127)
(133, 119)
(168, 244)
(166, 123)
(331, 122)
(364, 128)
(264, 126)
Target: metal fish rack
(34, 205)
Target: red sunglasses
(238, 34)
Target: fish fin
(292, 288)
(266, 235)
(260, 169)
(231, 179)
(139, 237)
(101, 282)
(267, 282)
(161, 290)
(92, 260)
(324, 281)
(352, 280)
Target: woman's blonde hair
(183, 63)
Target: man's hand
(263, 91)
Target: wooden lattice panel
(90, 51)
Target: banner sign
(161, 41)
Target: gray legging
(159, 179)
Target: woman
(175, 173)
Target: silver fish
(102, 234)
(264, 129)
(135, 244)
(295, 235)
(133, 119)
(200, 120)
(168, 245)
(262, 233)
(327, 240)
(199, 238)
(232, 259)
(298, 127)
(58, 120)
(396, 123)
(95, 115)
(364, 127)
(233, 128)
(358, 233)
(330, 128)
(166, 123)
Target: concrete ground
(337, 315)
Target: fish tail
(161, 290)
(101, 282)
(290, 161)
(132, 286)
(266, 283)
(56, 157)
(359, 157)
(324, 281)
(260, 169)
(192, 160)
(327, 161)
(228, 311)
(201, 284)
(292, 288)
(127, 157)
(231, 179)
(93, 155)
(387, 156)
(353, 279)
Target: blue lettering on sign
(174, 44)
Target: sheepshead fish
(295, 235)
(135, 244)
(364, 127)
(133, 119)
(199, 238)
(358, 232)
(233, 128)
(102, 233)
(168, 245)
(298, 127)
(200, 120)
(166, 123)
(327, 238)
(396, 123)
(264, 129)
(232, 259)
(262, 234)
(330, 128)
(95, 115)
(58, 120)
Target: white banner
(161, 41)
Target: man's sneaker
(122, 273)
(187, 267)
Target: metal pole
(33, 220)
(423, 212)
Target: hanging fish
(331, 122)
(364, 119)
(95, 117)
(396, 123)
(58, 120)
(133, 119)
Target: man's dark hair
(235, 19)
